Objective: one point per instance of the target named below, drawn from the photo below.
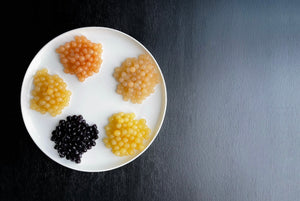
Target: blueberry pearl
(73, 137)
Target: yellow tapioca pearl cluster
(125, 134)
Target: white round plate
(95, 98)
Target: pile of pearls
(125, 134)
(137, 78)
(49, 93)
(80, 57)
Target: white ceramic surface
(95, 98)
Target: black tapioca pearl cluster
(73, 137)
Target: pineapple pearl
(125, 134)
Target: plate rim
(162, 112)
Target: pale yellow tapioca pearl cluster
(137, 78)
(125, 134)
(49, 93)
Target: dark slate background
(232, 126)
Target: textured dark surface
(232, 127)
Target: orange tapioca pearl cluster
(49, 93)
(125, 134)
(80, 57)
(137, 78)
